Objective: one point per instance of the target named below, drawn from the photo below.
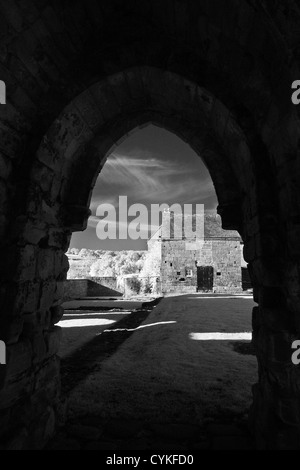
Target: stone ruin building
(80, 76)
(185, 264)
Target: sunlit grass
(160, 374)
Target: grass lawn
(160, 374)
(78, 328)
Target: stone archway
(73, 152)
(231, 108)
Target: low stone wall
(109, 282)
(103, 287)
(234, 289)
(75, 288)
(91, 287)
(179, 288)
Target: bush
(147, 285)
(134, 284)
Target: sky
(152, 166)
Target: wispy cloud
(144, 227)
(93, 221)
(149, 180)
(103, 198)
(152, 166)
(124, 170)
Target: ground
(155, 385)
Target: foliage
(147, 285)
(101, 263)
(134, 284)
(118, 263)
(86, 253)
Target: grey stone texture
(81, 76)
(179, 253)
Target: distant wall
(75, 288)
(176, 259)
(155, 252)
(180, 260)
(110, 282)
(91, 287)
(79, 268)
(226, 255)
(103, 286)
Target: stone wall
(174, 262)
(226, 256)
(155, 253)
(92, 287)
(82, 75)
(79, 268)
(104, 286)
(223, 255)
(75, 288)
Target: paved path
(164, 390)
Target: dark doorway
(205, 278)
(246, 281)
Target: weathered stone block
(11, 329)
(56, 314)
(5, 167)
(47, 295)
(24, 264)
(39, 348)
(14, 391)
(19, 357)
(53, 339)
(42, 429)
(59, 291)
(42, 177)
(45, 263)
(3, 228)
(18, 441)
(33, 234)
(26, 297)
(47, 373)
(105, 100)
(59, 238)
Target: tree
(150, 271)
(73, 251)
(115, 264)
(103, 267)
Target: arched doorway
(245, 127)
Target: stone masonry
(81, 76)
(181, 257)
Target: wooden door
(205, 278)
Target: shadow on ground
(77, 366)
(243, 347)
(90, 430)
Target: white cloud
(149, 179)
(148, 173)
